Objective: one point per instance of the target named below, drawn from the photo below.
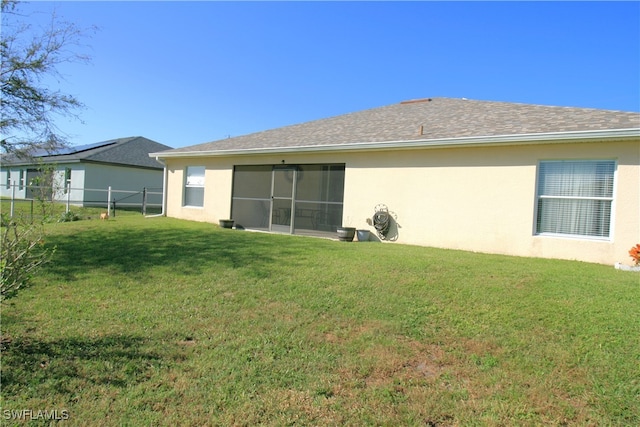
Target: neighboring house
(87, 171)
(495, 177)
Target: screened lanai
(293, 199)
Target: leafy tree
(29, 108)
(45, 187)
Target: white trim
(502, 140)
(574, 237)
(614, 202)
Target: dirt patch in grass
(454, 384)
(399, 383)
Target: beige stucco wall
(477, 199)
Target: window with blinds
(575, 197)
(194, 186)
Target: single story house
(84, 173)
(495, 177)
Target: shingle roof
(131, 151)
(426, 119)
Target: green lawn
(165, 322)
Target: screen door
(282, 198)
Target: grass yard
(164, 322)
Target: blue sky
(184, 73)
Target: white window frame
(193, 180)
(610, 198)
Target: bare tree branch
(28, 108)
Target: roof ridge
(437, 118)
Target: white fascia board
(37, 164)
(501, 140)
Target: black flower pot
(226, 223)
(346, 234)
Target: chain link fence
(147, 201)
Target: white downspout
(164, 189)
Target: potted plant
(346, 234)
(226, 223)
(634, 253)
(363, 235)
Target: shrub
(634, 253)
(22, 253)
(68, 217)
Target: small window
(67, 179)
(21, 180)
(575, 198)
(8, 179)
(194, 186)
